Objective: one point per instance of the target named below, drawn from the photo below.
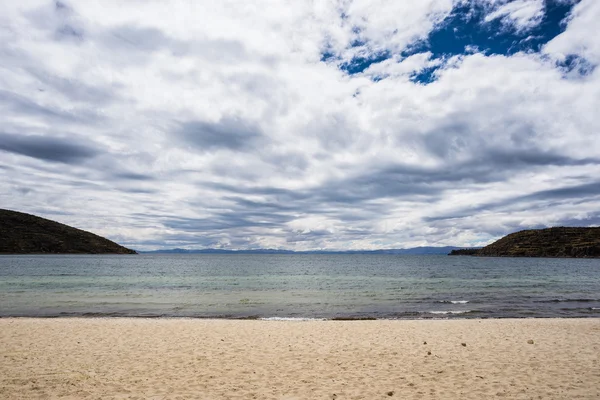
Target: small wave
(453, 301)
(290, 319)
(568, 301)
(450, 312)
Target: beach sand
(79, 358)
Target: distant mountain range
(414, 251)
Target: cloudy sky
(346, 124)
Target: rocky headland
(22, 233)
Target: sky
(301, 125)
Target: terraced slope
(550, 242)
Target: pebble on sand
(530, 341)
(463, 344)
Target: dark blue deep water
(298, 286)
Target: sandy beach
(230, 359)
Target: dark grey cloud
(52, 85)
(266, 206)
(282, 194)
(450, 138)
(335, 131)
(138, 190)
(464, 144)
(70, 32)
(354, 199)
(361, 198)
(18, 104)
(144, 39)
(60, 20)
(483, 162)
(410, 181)
(589, 220)
(310, 236)
(24, 190)
(320, 200)
(292, 162)
(491, 165)
(226, 221)
(583, 191)
(397, 182)
(518, 158)
(133, 176)
(23, 105)
(543, 199)
(73, 89)
(67, 151)
(60, 5)
(231, 133)
(148, 40)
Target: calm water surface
(298, 286)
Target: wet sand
(102, 358)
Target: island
(564, 242)
(22, 233)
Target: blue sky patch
(359, 64)
(466, 26)
(464, 31)
(575, 64)
(425, 76)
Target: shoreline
(88, 358)
(445, 317)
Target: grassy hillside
(27, 234)
(550, 242)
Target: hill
(550, 242)
(22, 233)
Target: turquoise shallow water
(298, 286)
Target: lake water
(298, 286)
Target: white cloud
(579, 39)
(385, 23)
(397, 67)
(522, 15)
(302, 154)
